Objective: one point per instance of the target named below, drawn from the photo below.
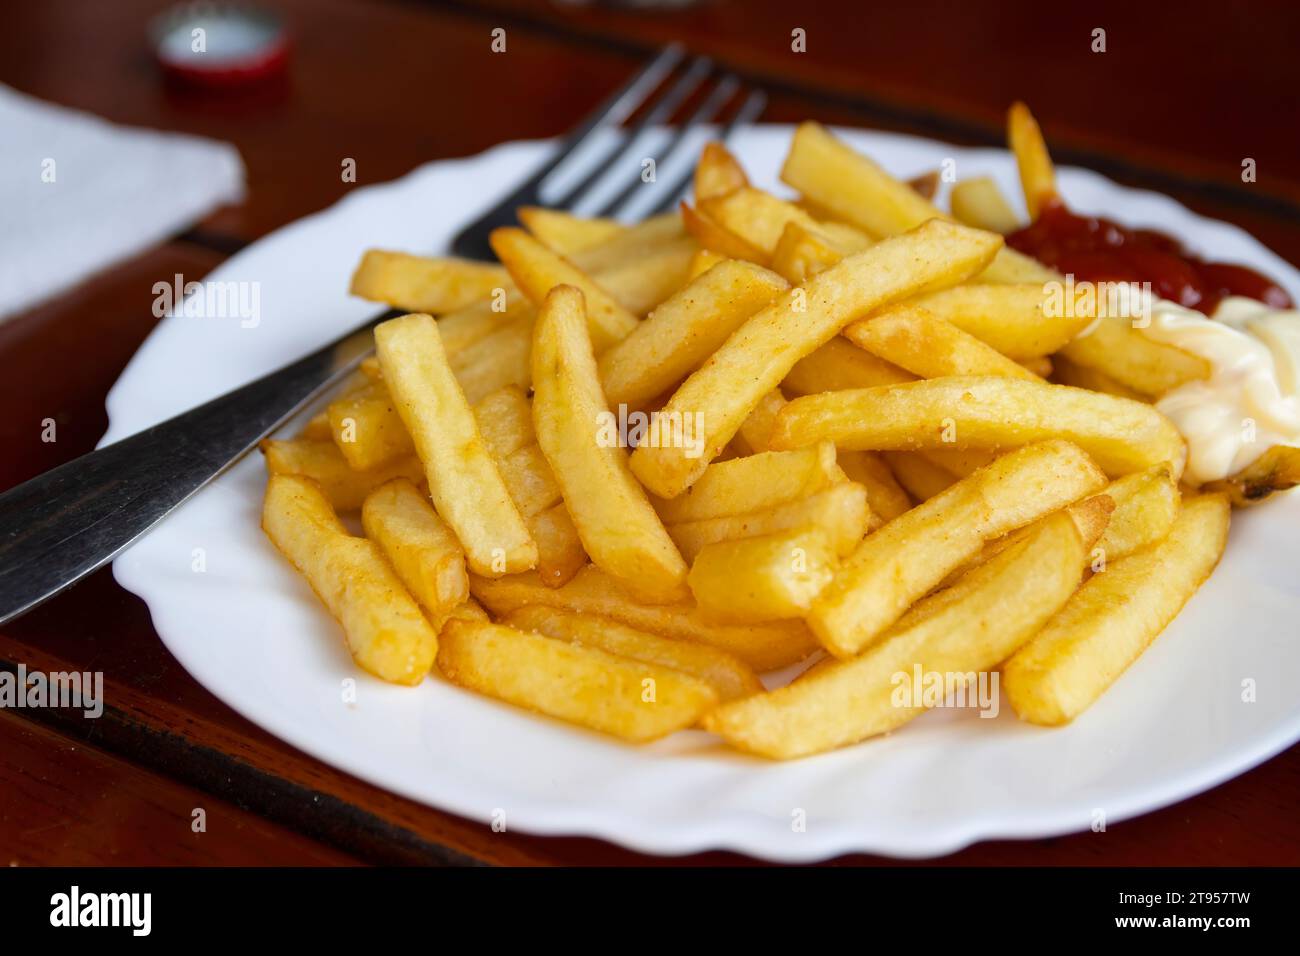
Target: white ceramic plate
(250, 631)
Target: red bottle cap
(219, 44)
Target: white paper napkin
(78, 194)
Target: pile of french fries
(868, 444)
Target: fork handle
(60, 526)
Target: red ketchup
(1098, 250)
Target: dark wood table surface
(1180, 98)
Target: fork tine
(748, 111)
(659, 112)
(706, 111)
(618, 106)
(472, 241)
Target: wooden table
(1176, 103)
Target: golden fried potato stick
(367, 429)
(731, 677)
(902, 561)
(1037, 175)
(764, 647)
(885, 496)
(717, 173)
(1276, 470)
(566, 233)
(418, 544)
(343, 486)
(537, 269)
(685, 330)
(839, 364)
(763, 350)
(627, 698)
(385, 630)
(754, 482)
(984, 412)
(979, 203)
(422, 284)
(1146, 504)
(852, 188)
(925, 345)
(1114, 617)
(616, 522)
(840, 510)
(964, 630)
(769, 577)
(466, 486)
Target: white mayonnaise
(1250, 400)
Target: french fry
(763, 647)
(1114, 617)
(902, 561)
(560, 554)
(764, 578)
(840, 510)
(418, 544)
(993, 413)
(467, 610)
(466, 486)
(1040, 366)
(566, 233)
(925, 345)
(840, 364)
(958, 462)
(803, 252)
(756, 430)
(763, 350)
(979, 203)
(640, 284)
(529, 479)
(1037, 175)
(755, 216)
(367, 429)
(925, 185)
(1020, 320)
(754, 482)
(1276, 470)
(1066, 372)
(537, 269)
(1146, 504)
(321, 461)
(496, 361)
(965, 630)
(702, 262)
(922, 478)
(685, 330)
(420, 284)
(505, 421)
(627, 698)
(464, 328)
(1090, 515)
(713, 237)
(317, 428)
(853, 189)
(632, 245)
(1127, 356)
(717, 173)
(885, 496)
(615, 520)
(731, 677)
(385, 631)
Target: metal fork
(62, 525)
